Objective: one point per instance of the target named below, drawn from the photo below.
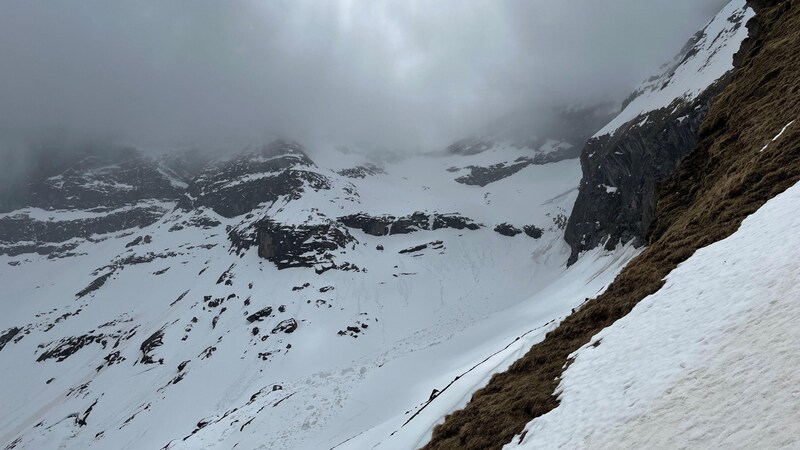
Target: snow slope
(710, 58)
(708, 361)
(170, 336)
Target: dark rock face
(616, 201)
(107, 178)
(287, 326)
(361, 171)
(155, 340)
(300, 245)
(199, 219)
(235, 187)
(8, 335)
(507, 229)
(436, 245)
(94, 285)
(481, 176)
(19, 229)
(110, 189)
(139, 240)
(533, 231)
(70, 345)
(389, 225)
(260, 315)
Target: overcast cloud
(400, 73)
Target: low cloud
(406, 74)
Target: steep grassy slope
(746, 155)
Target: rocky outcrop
(390, 225)
(108, 178)
(8, 335)
(149, 345)
(645, 144)
(260, 315)
(482, 176)
(616, 200)
(70, 345)
(435, 245)
(237, 186)
(86, 192)
(24, 232)
(287, 326)
(533, 231)
(301, 245)
(362, 171)
(506, 229)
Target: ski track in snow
(708, 361)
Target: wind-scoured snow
(707, 61)
(708, 361)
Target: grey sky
(400, 73)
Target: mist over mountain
(400, 225)
(403, 74)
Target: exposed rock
(390, 225)
(69, 345)
(237, 186)
(205, 354)
(199, 219)
(507, 229)
(616, 201)
(139, 240)
(95, 285)
(260, 315)
(300, 288)
(8, 335)
(481, 176)
(286, 326)
(21, 233)
(155, 340)
(109, 177)
(533, 231)
(436, 245)
(300, 245)
(454, 221)
(361, 171)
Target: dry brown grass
(719, 184)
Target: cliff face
(748, 151)
(616, 203)
(623, 163)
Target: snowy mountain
(687, 347)
(645, 143)
(304, 295)
(271, 297)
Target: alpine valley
(628, 283)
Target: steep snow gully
(306, 296)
